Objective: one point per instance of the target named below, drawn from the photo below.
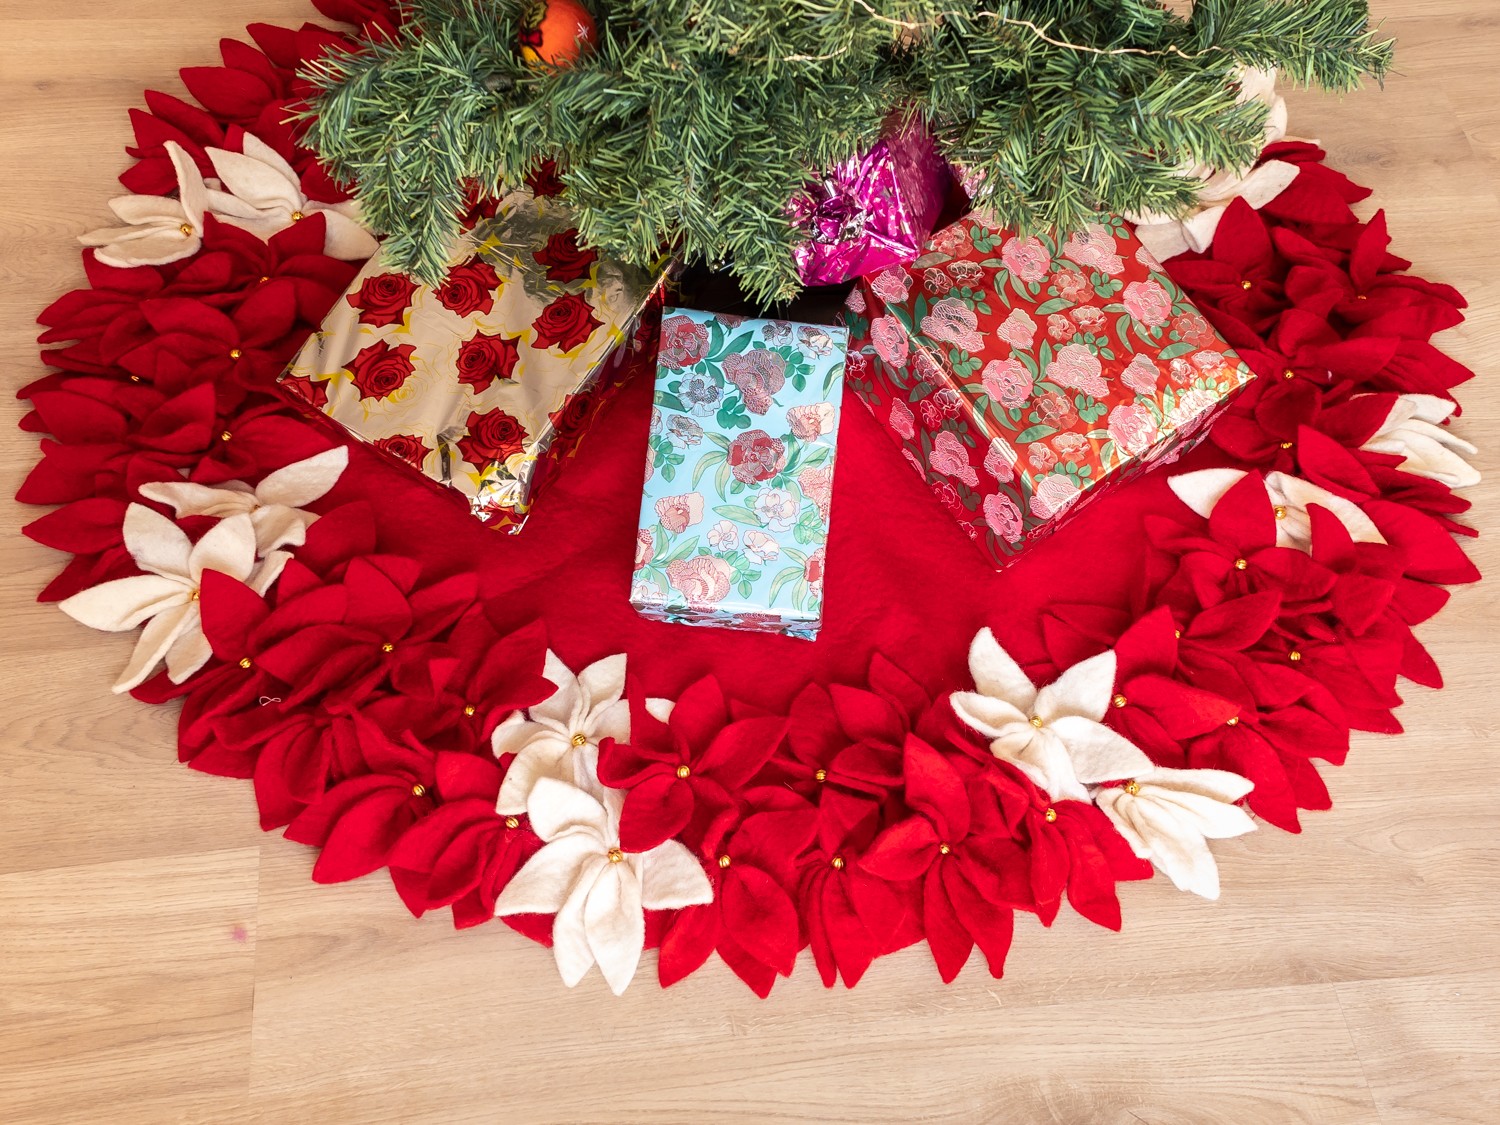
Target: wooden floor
(162, 960)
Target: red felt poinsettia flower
(234, 265)
(851, 738)
(175, 343)
(341, 638)
(239, 91)
(851, 915)
(681, 773)
(1235, 554)
(474, 678)
(1287, 720)
(1365, 286)
(259, 439)
(1241, 275)
(357, 822)
(1319, 198)
(81, 317)
(750, 853)
(957, 843)
(1152, 705)
(112, 437)
(167, 118)
(463, 853)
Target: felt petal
(190, 188)
(156, 638)
(228, 547)
(265, 573)
(1097, 753)
(1297, 495)
(125, 602)
(156, 543)
(565, 706)
(986, 714)
(129, 248)
(671, 878)
(137, 210)
(1200, 491)
(190, 651)
(278, 526)
(543, 885)
(188, 498)
(346, 239)
(300, 483)
(1221, 785)
(556, 807)
(1084, 689)
(542, 758)
(997, 675)
(615, 924)
(570, 938)
(602, 684)
(1041, 756)
(256, 182)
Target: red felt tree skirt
(1257, 670)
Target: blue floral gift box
(739, 475)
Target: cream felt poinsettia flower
(275, 505)
(263, 195)
(1291, 496)
(559, 737)
(1415, 430)
(166, 596)
(1168, 816)
(1166, 236)
(598, 892)
(157, 229)
(1054, 734)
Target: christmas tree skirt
(388, 674)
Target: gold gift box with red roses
(1024, 376)
(485, 382)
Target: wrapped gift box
(1024, 376)
(739, 473)
(487, 381)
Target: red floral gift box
(485, 382)
(1021, 375)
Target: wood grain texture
(161, 960)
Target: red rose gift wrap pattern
(1020, 375)
(483, 382)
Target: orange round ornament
(558, 32)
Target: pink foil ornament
(872, 211)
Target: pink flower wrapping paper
(485, 382)
(1023, 376)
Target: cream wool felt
(264, 196)
(1166, 236)
(1172, 815)
(1053, 735)
(559, 737)
(274, 506)
(166, 597)
(1415, 430)
(1202, 490)
(157, 229)
(598, 892)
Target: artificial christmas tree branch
(691, 123)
